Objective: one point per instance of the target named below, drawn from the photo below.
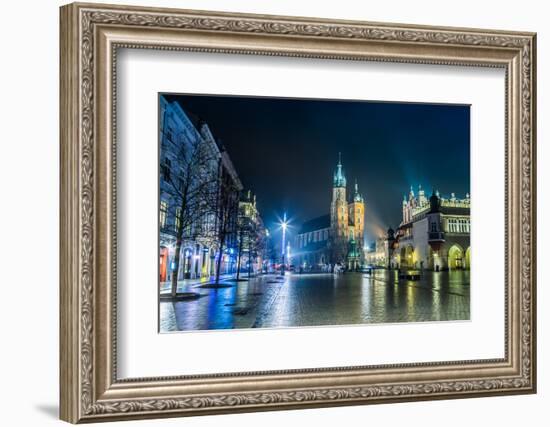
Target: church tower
(356, 211)
(339, 215)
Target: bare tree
(243, 231)
(269, 251)
(246, 232)
(256, 243)
(337, 249)
(191, 175)
(250, 232)
(252, 247)
(225, 212)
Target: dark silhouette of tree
(192, 175)
(243, 233)
(226, 204)
(256, 243)
(337, 249)
(268, 250)
(250, 233)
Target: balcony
(436, 236)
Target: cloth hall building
(434, 233)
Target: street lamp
(284, 225)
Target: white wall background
(29, 170)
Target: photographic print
(291, 183)
(288, 212)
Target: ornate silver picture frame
(91, 35)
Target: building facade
(335, 238)
(252, 244)
(434, 233)
(198, 198)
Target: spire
(339, 177)
(434, 201)
(357, 196)
(422, 200)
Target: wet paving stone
(323, 299)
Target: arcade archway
(407, 257)
(456, 259)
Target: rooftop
(318, 223)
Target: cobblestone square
(300, 300)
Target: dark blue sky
(285, 150)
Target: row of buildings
(208, 225)
(434, 233)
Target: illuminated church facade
(335, 238)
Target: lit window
(165, 168)
(163, 212)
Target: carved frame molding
(90, 37)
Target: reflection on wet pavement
(322, 299)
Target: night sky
(286, 150)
